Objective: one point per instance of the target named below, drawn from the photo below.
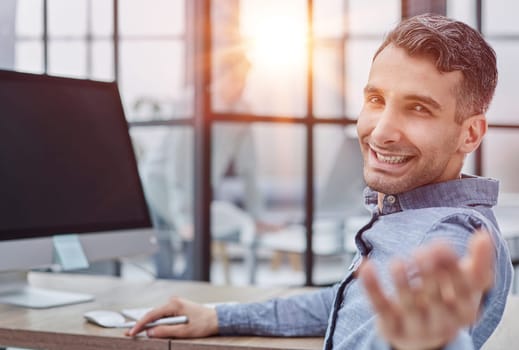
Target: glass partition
(257, 181)
(165, 159)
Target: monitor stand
(15, 290)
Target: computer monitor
(67, 169)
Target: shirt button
(391, 199)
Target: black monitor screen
(66, 160)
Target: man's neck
(380, 200)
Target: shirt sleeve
(455, 230)
(300, 315)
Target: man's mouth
(392, 159)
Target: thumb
(165, 331)
(479, 262)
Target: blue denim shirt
(449, 211)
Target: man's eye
(420, 109)
(375, 99)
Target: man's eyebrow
(370, 89)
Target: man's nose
(387, 128)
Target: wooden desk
(65, 328)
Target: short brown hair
(453, 46)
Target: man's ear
(473, 130)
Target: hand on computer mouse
(202, 321)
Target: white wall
(7, 30)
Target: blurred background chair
(339, 213)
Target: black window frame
(198, 14)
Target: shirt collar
(467, 191)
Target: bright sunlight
(279, 42)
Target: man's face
(407, 132)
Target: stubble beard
(384, 183)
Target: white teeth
(391, 159)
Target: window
(281, 133)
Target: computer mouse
(108, 319)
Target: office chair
(339, 211)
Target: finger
(456, 286)
(388, 315)
(480, 260)
(368, 276)
(411, 299)
(404, 291)
(460, 298)
(475, 276)
(427, 267)
(442, 322)
(151, 316)
(172, 331)
(438, 266)
(169, 309)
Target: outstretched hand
(444, 295)
(202, 321)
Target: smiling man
(430, 83)
(434, 270)
(411, 129)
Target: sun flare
(279, 42)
